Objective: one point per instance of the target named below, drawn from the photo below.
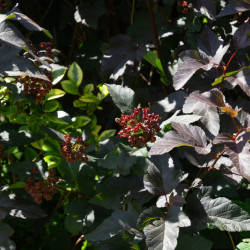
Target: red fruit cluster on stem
(73, 152)
(42, 189)
(47, 47)
(36, 86)
(184, 5)
(139, 130)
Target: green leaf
(47, 33)
(232, 73)
(54, 94)
(75, 74)
(123, 97)
(106, 134)
(19, 184)
(245, 245)
(108, 201)
(51, 106)
(151, 57)
(78, 216)
(193, 242)
(70, 87)
(89, 98)
(58, 73)
(81, 121)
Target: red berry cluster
(3, 5)
(36, 86)
(73, 152)
(139, 130)
(183, 5)
(47, 47)
(42, 189)
(43, 47)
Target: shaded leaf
(192, 60)
(241, 37)
(125, 53)
(162, 176)
(123, 97)
(119, 222)
(171, 103)
(212, 45)
(88, 13)
(193, 242)
(79, 215)
(206, 6)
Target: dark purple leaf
(223, 138)
(242, 79)
(234, 7)
(123, 54)
(10, 36)
(212, 45)
(239, 153)
(231, 175)
(163, 232)
(241, 37)
(206, 6)
(214, 98)
(192, 60)
(210, 117)
(88, 13)
(162, 176)
(186, 135)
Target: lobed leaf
(162, 176)
(163, 233)
(123, 97)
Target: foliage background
(87, 32)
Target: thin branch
(152, 20)
(132, 13)
(231, 239)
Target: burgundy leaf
(210, 117)
(223, 138)
(212, 45)
(242, 79)
(239, 153)
(234, 7)
(205, 5)
(241, 37)
(192, 61)
(186, 135)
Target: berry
(139, 130)
(73, 152)
(36, 86)
(41, 189)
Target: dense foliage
(125, 124)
